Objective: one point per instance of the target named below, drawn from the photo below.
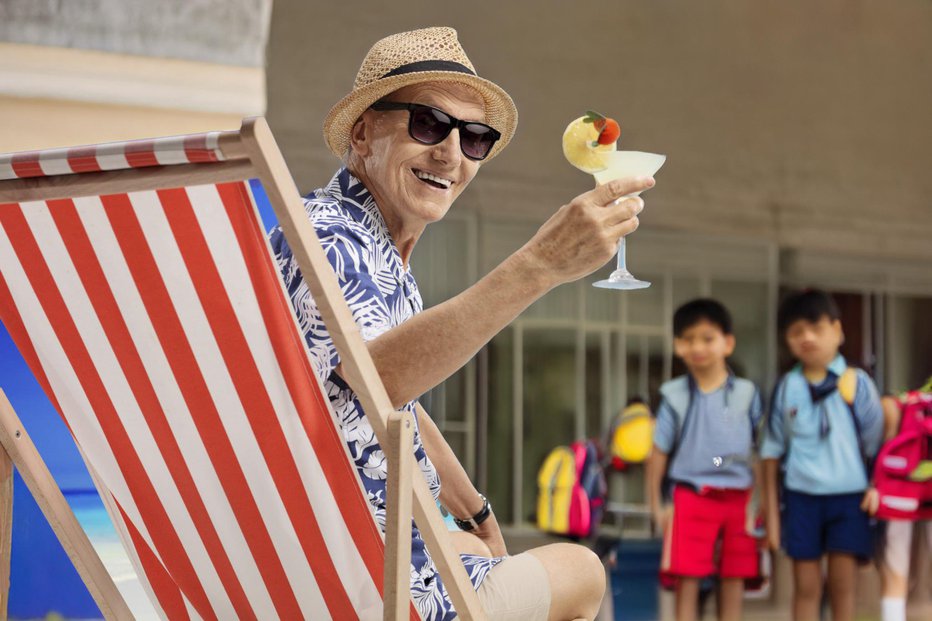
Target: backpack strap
(741, 394)
(678, 395)
(848, 389)
(580, 449)
(848, 385)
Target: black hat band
(429, 65)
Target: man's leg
(577, 580)
(807, 590)
(467, 543)
(687, 598)
(730, 599)
(842, 580)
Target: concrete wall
(222, 31)
(804, 123)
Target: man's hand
(871, 501)
(583, 235)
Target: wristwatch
(474, 522)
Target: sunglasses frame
(454, 123)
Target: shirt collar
(356, 199)
(728, 385)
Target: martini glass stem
(620, 262)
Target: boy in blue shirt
(705, 433)
(822, 437)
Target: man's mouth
(433, 180)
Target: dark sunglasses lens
(429, 125)
(477, 140)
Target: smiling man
(412, 134)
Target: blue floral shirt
(382, 294)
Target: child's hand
(661, 518)
(871, 501)
(773, 537)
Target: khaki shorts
(517, 589)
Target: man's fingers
(625, 210)
(613, 190)
(622, 227)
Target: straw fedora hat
(426, 55)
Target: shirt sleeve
(773, 445)
(869, 413)
(665, 428)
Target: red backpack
(903, 468)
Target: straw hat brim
(500, 110)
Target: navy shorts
(816, 525)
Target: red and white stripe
(157, 323)
(189, 149)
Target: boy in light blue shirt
(823, 438)
(705, 432)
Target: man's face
(703, 345)
(814, 344)
(396, 165)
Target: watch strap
(475, 521)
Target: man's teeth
(446, 183)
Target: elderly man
(412, 134)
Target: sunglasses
(429, 125)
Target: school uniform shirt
(715, 447)
(382, 294)
(814, 429)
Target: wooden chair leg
(15, 442)
(400, 455)
(6, 529)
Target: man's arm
(457, 492)
(581, 237)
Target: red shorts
(708, 535)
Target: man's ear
(359, 136)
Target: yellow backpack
(633, 434)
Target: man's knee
(596, 569)
(588, 567)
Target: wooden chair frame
(249, 153)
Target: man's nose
(448, 150)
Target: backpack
(903, 468)
(571, 489)
(631, 435)
(678, 394)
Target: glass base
(621, 279)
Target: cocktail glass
(626, 164)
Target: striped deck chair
(138, 284)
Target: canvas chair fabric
(157, 324)
(187, 149)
